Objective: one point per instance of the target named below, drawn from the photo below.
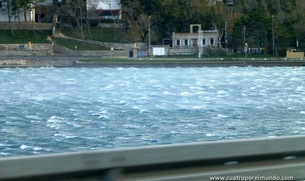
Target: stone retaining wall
(182, 51)
(118, 46)
(12, 62)
(25, 49)
(106, 53)
(36, 63)
(50, 62)
(49, 49)
(27, 46)
(209, 50)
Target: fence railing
(278, 157)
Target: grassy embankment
(97, 34)
(23, 37)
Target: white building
(6, 14)
(196, 38)
(103, 9)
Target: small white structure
(103, 9)
(196, 38)
(159, 50)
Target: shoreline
(156, 64)
(148, 64)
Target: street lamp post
(246, 50)
(226, 41)
(149, 53)
(245, 44)
(272, 35)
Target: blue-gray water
(53, 110)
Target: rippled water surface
(52, 110)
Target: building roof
(196, 34)
(204, 31)
(43, 2)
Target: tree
(169, 16)
(19, 6)
(72, 12)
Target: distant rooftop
(43, 2)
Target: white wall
(104, 4)
(30, 15)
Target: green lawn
(37, 36)
(99, 34)
(23, 36)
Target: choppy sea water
(54, 110)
